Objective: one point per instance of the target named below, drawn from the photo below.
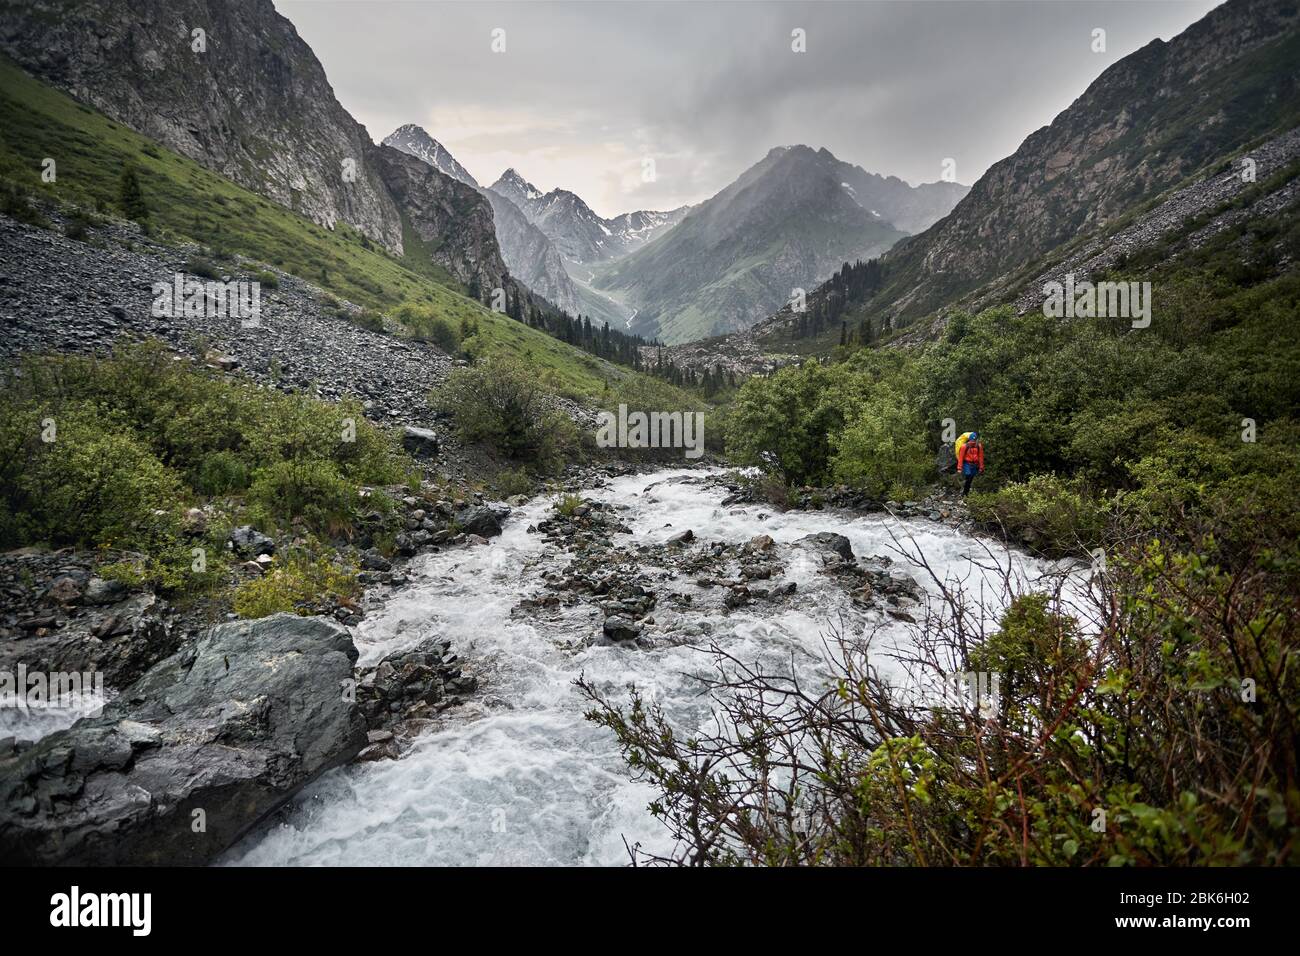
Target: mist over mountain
(787, 222)
(581, 235)
(527, 252)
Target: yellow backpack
(962, 439)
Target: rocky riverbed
(438, 721)
(631, 582)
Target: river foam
(522, 778)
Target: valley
(946, 566)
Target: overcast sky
(584, 92)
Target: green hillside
(190, 203)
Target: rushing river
(519, 777)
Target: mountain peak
(515, 188)
(415, 140)
(411, 129)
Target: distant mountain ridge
(578, 232)
(787, 222)
(527, 251)
(1150, 120)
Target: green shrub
(16, 203)
(77, 227)
(499, 403)
(423, 324)
(568, 505)
(367, 319)
(1047, 513)
(139, 436)
(202, 268)
(130, 197)
(221, 473)
(297, 583)
(268, 280)
(883, 452)
(173, 566)
(95, 484)
(513, 481)
(786, 422)
(312, 491)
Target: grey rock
(482, 520)
(121, 644)
(249, 542)
(619, 628)
(100, 591)
(65, 590)
(373, 560)
(829, 541)
(420, 442)
(233, 725)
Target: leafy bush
(77, 227)
(221, 473)
(297, 583)
(425, 325)
(568, 505)
(202, 268)
(267, 279)
(311, 491)
(883, 452)
(790, 417)
(139, 436)
(513, 482)
(130, 197)
(367, 319)
(94, 484)
(1051, 515)
(499, 403)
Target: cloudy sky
(585, 92)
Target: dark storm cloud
(585, 92)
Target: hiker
(970, 459)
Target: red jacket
(973, 452)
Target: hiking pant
(965, 488)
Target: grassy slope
(189, 202)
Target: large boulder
(482, 520)
(420, 442)
(829, 541)
(248, 542)
(192, 755)
(120, 641)
(620, 628)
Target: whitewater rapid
(518, 776)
